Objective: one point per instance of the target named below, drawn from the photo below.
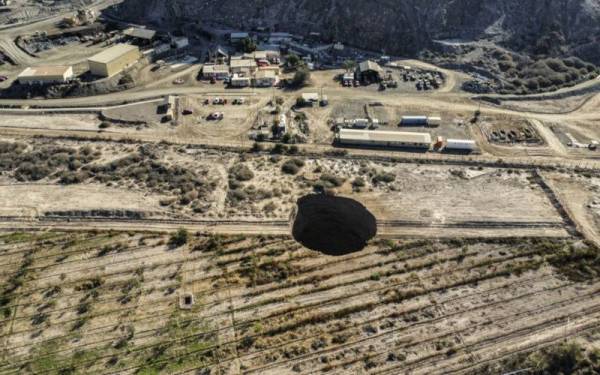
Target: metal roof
(369, 65)
(215, 69)
(265, 74)
(384, 136)
(45, 71)
(243, 63)
(461, 141)
(239, 35)
(112, 53)
(136, 32)
(310, 97)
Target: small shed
(236, 38)
(265, 78)
(244, 66)
(239, 81)
(180, 42)
(310, 98)
(369, 71)
(140, 35)
(218, 72)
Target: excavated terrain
(333, 225)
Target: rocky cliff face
(399, 26)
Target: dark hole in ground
(333, 225)
(187, 300)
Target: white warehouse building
(46, 75)
(384, 138)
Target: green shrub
(292, 166)
(179, 238)
(241, 172)
(331, 181)
(384, 177)
(358, 183)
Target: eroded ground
(105, 302)
(75, 179)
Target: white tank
(460, 144)
(434, 121)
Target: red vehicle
(263, 63)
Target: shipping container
(434, 121)
(414, 121)
(460, 144)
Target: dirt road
(280, 228)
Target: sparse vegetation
(301, 77)
(564, 358)
(179, 238)
(292, 166)
(241, 172)
(388, 290)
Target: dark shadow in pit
(333, 225)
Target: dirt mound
(333, 225)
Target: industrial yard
(193, 198)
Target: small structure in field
(186, 301)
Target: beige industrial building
(265, 78)
(242, 66)
(45, 75)
(113, 60)
(384, 138)
(215, 71)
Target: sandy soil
(419, 306)
(581, 196)
(42, 198)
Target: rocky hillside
(401, 26)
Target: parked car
(187, 112)
(216, 116)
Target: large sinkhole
(333, 225)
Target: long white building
(384, 138)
